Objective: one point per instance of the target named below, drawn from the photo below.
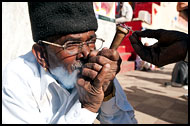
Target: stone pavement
(153, 103)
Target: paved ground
(153, 103)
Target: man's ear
(40, 54)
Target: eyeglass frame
(65, 44)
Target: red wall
(135, 26)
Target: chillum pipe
(121, 32)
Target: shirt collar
(45, 77)
(45, 80)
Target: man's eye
(92, 41)
(72, 45)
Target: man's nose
(83, 52)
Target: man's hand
(97, 74)
(171, 46)
(105, 56)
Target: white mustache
(77, 66)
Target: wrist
(92, 109)
(109, 89)
(110, 95)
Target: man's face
(69, 59)
(65, 64)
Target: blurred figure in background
(118, 9)
(143, 65)
(179, 75)
(125, 13)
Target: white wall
(165, 18)
(16, 31)
(106, 30)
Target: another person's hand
(97, 76)
(171, 46)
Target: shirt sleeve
(117, 110)
(19, 106)
(18, 103)
(127, 11)
(78, 115)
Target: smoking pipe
(121, 31)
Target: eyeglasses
(75, 46)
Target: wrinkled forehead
(77, 37)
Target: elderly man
(64, 79)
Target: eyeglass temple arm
(40, 41)
(62, 46)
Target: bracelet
(110, 95)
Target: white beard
(65, 79)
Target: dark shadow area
(153, 90)
(161, 72)
(155, 80)
(138, 96)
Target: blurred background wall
(16, 31)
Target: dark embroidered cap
(60, 18)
